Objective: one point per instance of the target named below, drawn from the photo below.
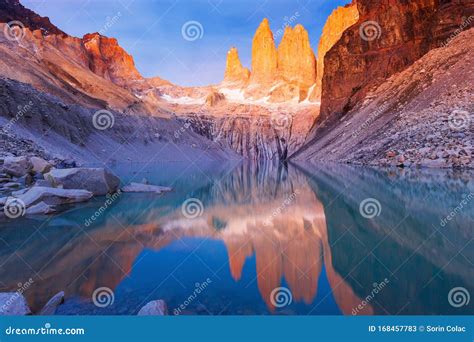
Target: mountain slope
(420, 116)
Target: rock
(11, 185)
(19, 192)
(296, 60)
(107, 59)
(40, 165)
(214, 98)
(388, 37)
(50, 308)
(154, 308)
(391, 154)
(96, 180)
(138, 187)
(44, 183)
(264, 55)
(234, 71)
(17, 166)
(339, 20)
(53, 196)
(13, 304)
(40, 208)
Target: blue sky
(151, 30)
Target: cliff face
(389, 36)
(108, 60)
(339, 20)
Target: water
(270, 240)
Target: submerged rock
(96, 180)
(154, 308)
(13, 304)
(51, 306)
(138, 187)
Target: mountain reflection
(294, 224)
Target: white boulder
(53, 196)
(154, 308)
(96, 180)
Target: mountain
(388, 37)
(279, 75)
(421, 116)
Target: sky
(154, 31)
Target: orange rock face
(339, 20)
(296, 60)
(234, 71)
(264, 55)
(108, 60)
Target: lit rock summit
(282, 74)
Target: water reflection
(263, 226)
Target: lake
(255, 239)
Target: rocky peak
(108, 60)
(296, 60)
(264, 54)
(234, 71)
(11, 10)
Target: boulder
(13, 304)
(96, 180)
(17, 166)
(154, 308)
(138, 187)
(40, 165)
(53, 196)
(51, 306)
